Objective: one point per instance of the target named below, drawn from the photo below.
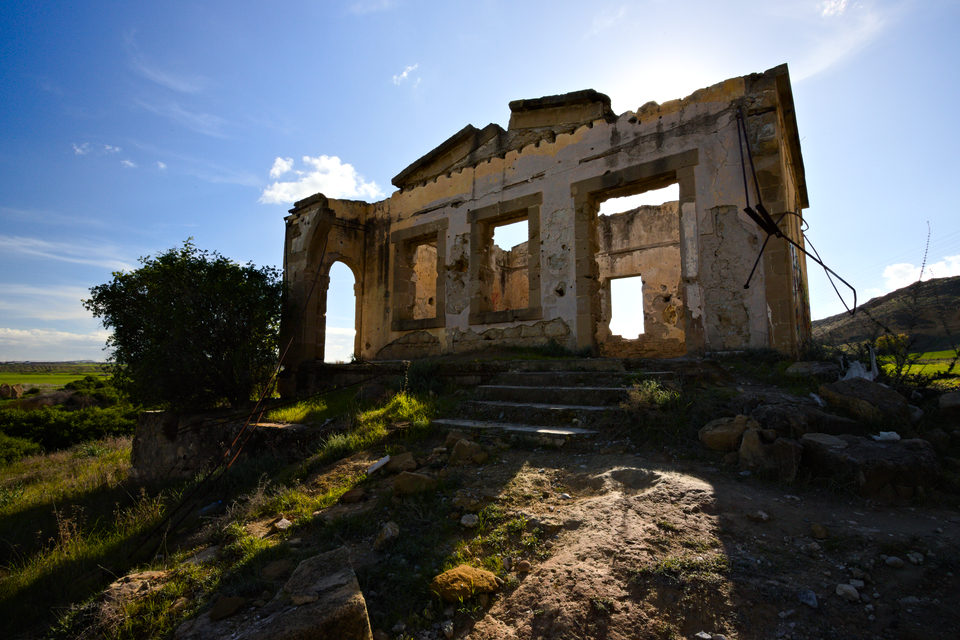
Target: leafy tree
(191, 329)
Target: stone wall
(559, 159)
(169, 446)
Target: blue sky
(129, 128)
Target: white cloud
(904, 273)
(328, 176)
(111, 149)
(406, 74)
(371, 6)
(128, 164)
(75, 252)
(605, 20)
(204, 123)
(338, 345)
(161, 165)
(83, 149)
(832, 7)
(280, 167)
(51, 345)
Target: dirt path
(657, 549)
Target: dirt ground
(646, 546)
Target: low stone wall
(168, 446)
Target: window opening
(626, 307)
(340, 328)
(508, 261)
(654, 197)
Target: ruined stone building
(431, 281)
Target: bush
(191, 329)
(54, 428)
(100, 390)
(13, 449)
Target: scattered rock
(277, 569)
(523, 566)
(848, 593)
(808, 598)
(225, 607)
(469, 520)
(725, 434)
(408, 483)
(866, 399)
(866, 465)
(463, 582)
(463, 452)
(389, 533)
(402, 462)
(758, 516)
(819, 532)
(282, 524)
(950, 402)
(353, 496)
(453, 437)
(895, 562)
(447, 628)
(207, 555)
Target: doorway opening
(626, 307)
(340, 318)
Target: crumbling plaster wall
(556, 173)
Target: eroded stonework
(430, 280)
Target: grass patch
(313, 410)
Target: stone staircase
(550, 401)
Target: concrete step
(536, 413)
(544, 434)
(577, 378)
(582, 396)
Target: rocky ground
(606, 538)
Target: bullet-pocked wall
(430, 280)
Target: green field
(47, 375)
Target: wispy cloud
(204, 123)
(75, 252)
(48, 303)
(128, 164)
(372, 6)
(328, 175)
(87, 148)
(183, 83)
(406, 74)
(161, 165)
(832, 7)
(606, 19)
(838, 33)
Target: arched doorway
(340, 320)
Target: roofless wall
(430, 281)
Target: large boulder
(867, 466)
(464, 452)
(402, 462)
(725, 434)
(322, 599)
(950, 403)
(463, 582)
(408, 484)
(867, 400)
(780, 458)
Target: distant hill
(929, 310)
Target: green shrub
(13, 449)
(55, 428)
